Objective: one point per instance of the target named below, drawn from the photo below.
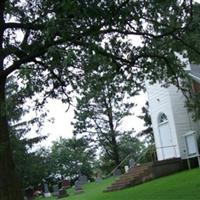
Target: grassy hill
(181, 186)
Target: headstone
(37, 193)
(83, 179)
(62, 193)
(65, 184)
(60, 184)
(29, 193)
(131, 163)
(78, 188)
(98, 176)
(98, 179)
(117, 172)
(46, 190)
(55, 190)
(126, 168)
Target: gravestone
(60, 184)
(29, 193)
(82, 179)
(46, 190)
(55, 190)
(117, 172)
(126, 168)
(131, 163)
(78, 188)
(98, 179)
(65, 184)
(62, 193)
(98, 176)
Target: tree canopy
(72, 157)
(102, 107)
(46, 46)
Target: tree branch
(186, 44)
(62, 83)
(29, 58)
(25, 26)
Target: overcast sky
(62, 120)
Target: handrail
(119, 164)
(140, 157)
(143, 154)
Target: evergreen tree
(101, 109)
(45, 45)
(147, 133)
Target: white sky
(62, 120)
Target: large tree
(101, 109)
(44, 44)
(104, 103)
(72, 157)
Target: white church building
(170, 118)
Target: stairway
(134, 176)
(146, 172)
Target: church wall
(183, 120)
(159, 102)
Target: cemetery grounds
(181, 186)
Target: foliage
(31, 166)
(192, 105)
(189, 40)
(58, 39)
(147, 133)
(103, 105)
(72, 157)
(35, 168)
(128, 146)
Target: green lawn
(182, 186)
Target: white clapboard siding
(159, 102)
(171, 102)
(183, 120)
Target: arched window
(162, 118)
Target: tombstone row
(58, 189)
(59, 192)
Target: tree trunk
(9, 185)
(115, 150)
(114, 144)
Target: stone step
(135, 172)
(146, 172)
(125, 179)
(135, 176)
(138, 168)
(136, 181)
(131, 177)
